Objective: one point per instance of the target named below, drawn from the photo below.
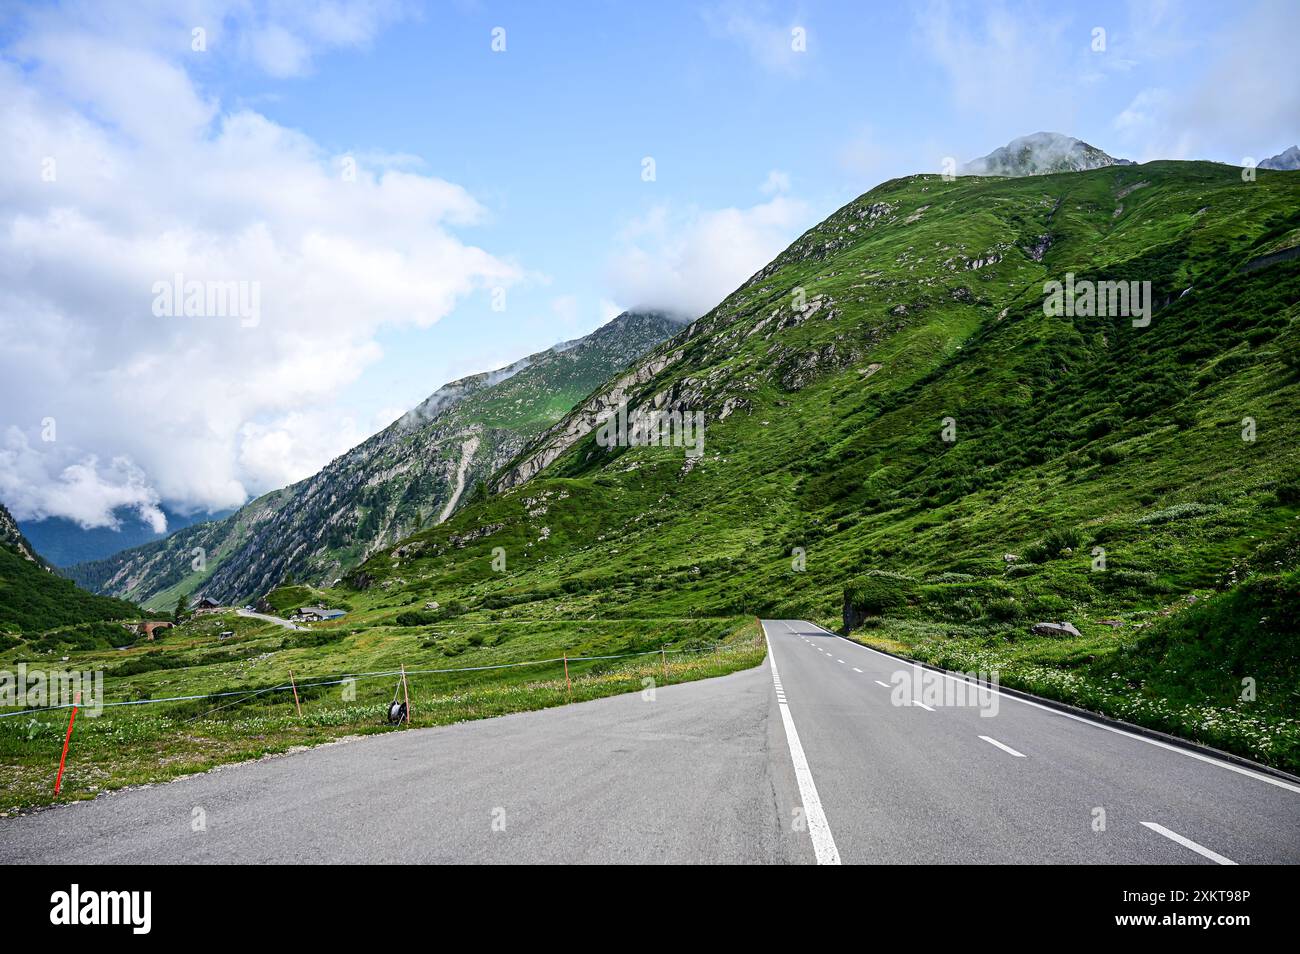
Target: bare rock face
(1288, 159)
(13, 538)
(1054, 629)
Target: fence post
(568, 686)
(295, 693)
(406, 695)
(58, 780)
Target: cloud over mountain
(120, 171)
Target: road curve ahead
(910, 768)
(825, 753)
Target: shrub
(1288, 492)
(875, 594)
(1109, 456)
(416, 618)
(1053, 544)
(1004, 609)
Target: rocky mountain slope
(1041, 153)
(11, 537)
(413, 474)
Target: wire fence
(353, 677)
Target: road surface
(249, 614)
(806, 758)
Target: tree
(479, 494)
(182, 605)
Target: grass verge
(146, 744)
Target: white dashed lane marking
(1201, 850)
(1005, 748)
(824, 854)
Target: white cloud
(37, 484)
(152, 179)
(687, 261)
(1214, 87)
(769, 42)
(1010, 66)
(776, 183)
(609, 310)
(292, 447)
(1241, 103)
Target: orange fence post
(58, 780)
(568, 686)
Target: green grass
(155, 742)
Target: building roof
(319, 611)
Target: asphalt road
(944, 783)
(696, 775)
(817, 755)
(270, 619)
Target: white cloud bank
(685, 261)
(117, 171)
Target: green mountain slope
(33, 599)
(410, 475)
(1100, 473)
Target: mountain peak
(1286, 160)
(1041, 153)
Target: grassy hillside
(34, 601)
(1099, 475)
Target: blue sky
(519, 170)
(550, 134)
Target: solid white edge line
(1239, 769)
(1188, 843)
(1005, 748)
(818, 829)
